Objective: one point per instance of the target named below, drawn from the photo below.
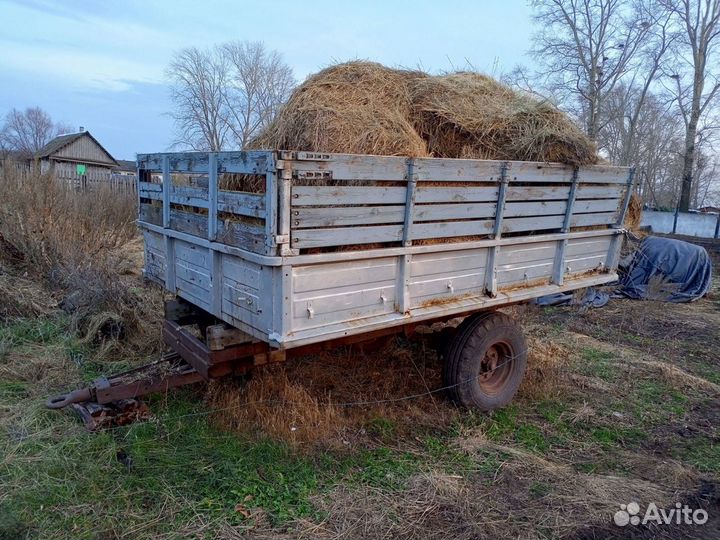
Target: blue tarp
(667, 269)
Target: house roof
(126, 165)
(60, 142)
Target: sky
(101, 64)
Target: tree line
(643, 78)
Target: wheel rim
(496, 368)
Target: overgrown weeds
(74, 250)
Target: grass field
(620, 404)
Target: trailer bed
(296, 248)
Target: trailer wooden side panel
(333, 245)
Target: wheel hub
(495, 367)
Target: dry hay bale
(366, 108)
(469, 115)
(355, 107)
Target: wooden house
(77, 158)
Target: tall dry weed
(81, 245)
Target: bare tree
(227, 94)
(696, 76)
(26, 132)
(259, 82)
(586, 47)
(198, 82)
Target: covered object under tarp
(667, 269)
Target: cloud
(82, 50)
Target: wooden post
(409, 202)
(169, 240)
(619, 224)
(271, 206)
(491, 268)
(559, 267)
(212, 196)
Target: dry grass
(547, 372)
(332, 398)
(634, 213)
(81, 247)
(469, 115)
(366, 108)
(356, 108)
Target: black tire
(485, 362)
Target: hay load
(353, 108)
(366, 108)
(469, 115)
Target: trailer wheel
(486, 361)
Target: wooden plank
(356, 167)
(455, 194)
(242, 235)
(192, 292)
(446, 286)
(527, 254)
(220, 336)
(522, 171)
(233, 202)
(371, 215)
(527, 171)
(189, 196)
(192, 275)
(212, 195)
(442, 263)
(245, 162)
(366, 295)
(341, 236)
(603, 174)
(589, 191)
(537, 193)
(243, 204)
(374, 195)
(346, 215)
(457, 170)
(195, 255)
(150, 188)
(449, 229)
(346, 195)
(187, 222)
(241, 271)
(439, 212)
(166, 189)
(149, 213)
(527, 274)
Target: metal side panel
(192, 273)
(247, 299)
(583, 254)
(325, 294)
(155, 260)
(443, 276)
(525, 264)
